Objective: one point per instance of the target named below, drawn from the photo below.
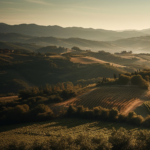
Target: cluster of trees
(37, 111)
(84, 82)
(23, 113)
(125, 52)
(32, 105)
(118, 140)
(52, 49)
(65, 91)
(100, 113)
(139, 78)
(106, 81)
(76, 48)
(134, 80)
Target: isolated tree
(115, 76)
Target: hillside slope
(137, 44)
(92, 60)
(124, 98)
(40, 70)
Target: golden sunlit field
(61, 127)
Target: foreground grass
(42, 131)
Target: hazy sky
(105, 14)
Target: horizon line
(121, 30)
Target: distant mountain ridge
(136, 44)
(69, 32)
(65, 42)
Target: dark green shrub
(66, 94)
(32, 101)
(113, 114)
(38, 146)
(41, 113)
(88, 114)
(105, 114)
(137, 120)
(47, 90)
(122, 118)
(80, 111)
(101, 142)
(123, 79)
(71, 110)
(22, 108)
(18, 113)
(63, 143)
(55, 99)
(16, 146)
(120, 140)
(97, 111)
(138, 80)
(41, 108)
(45, 116)
(32, 92)
(146, 122)
(131, 115)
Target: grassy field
(58, 128)
(91, 60)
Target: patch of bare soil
(131, 106)
(57, 56)
(137, 106)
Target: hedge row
(99, 113)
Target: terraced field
(121, 97)
(124, 98)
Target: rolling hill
(40, 70)
(76, 32)
(141, 44)
(70, 42)
(136, 44)
(92, 60)
(23, 47)
(52, 49)
(13, 37)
